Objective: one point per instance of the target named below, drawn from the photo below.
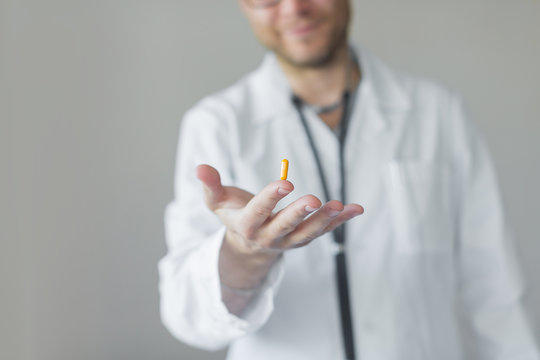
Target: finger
(261, 206)
(314, 226)
(288, 218)
(350, 211)
(213, 190)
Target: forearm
(242, 270)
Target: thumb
(213, 190)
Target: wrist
(243, 266)
(244, 292)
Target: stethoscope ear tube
(339, 232)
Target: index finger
(261, 206)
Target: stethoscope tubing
(338, 233)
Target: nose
(295, 7)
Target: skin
(304, 34)
(309, 38)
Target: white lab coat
(432, 243)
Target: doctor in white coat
(251, 259)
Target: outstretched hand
(252, 224)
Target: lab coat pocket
(420, 200)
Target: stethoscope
(339, 232)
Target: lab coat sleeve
(491, 288)
(190, 294)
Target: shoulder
(414, 90)
(259, 95)
(221, 107)
(427, 101)
(430, 109)
(253, 97)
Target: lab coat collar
(379, 87)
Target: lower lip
(302, 31)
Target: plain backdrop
(91, 96)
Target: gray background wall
(91, 94)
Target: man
(259, 273)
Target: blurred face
(304, 33)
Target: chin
(309, 57)
(312, 52)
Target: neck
(323, 85)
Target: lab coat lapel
(380, 111)
(380, 100)
(272, 97)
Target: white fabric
(432, 241)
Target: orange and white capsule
(284, 169)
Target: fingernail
(310, 209)
(282, 191)
(333, 213)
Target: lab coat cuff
(261, 305)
